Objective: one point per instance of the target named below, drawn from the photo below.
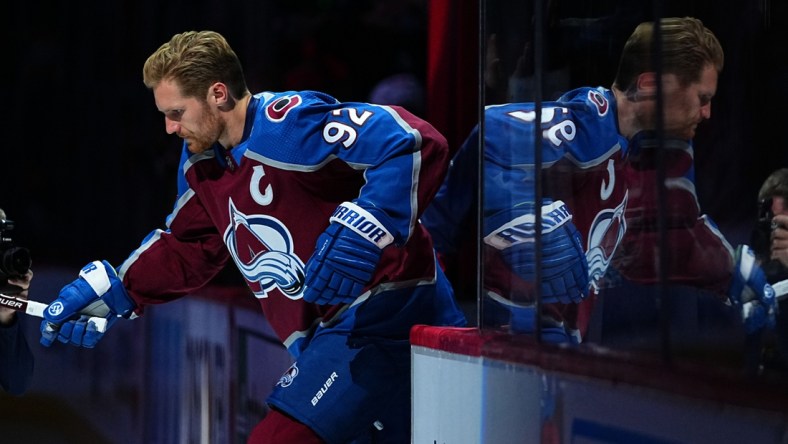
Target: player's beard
(684, 131)
(210, 128)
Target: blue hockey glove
(345, 256)
(564, 265)
(523, 320)
(97, 293)
(85, 331)
(751, 292)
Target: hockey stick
(780, 292)
(36, 308)
(753, 343)
(780, 289)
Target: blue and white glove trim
(363, 223)
(103, 300)
(85, 308)
(751, 292)
(521, 229)
(98, 281)
(96, 274)
(563, 262)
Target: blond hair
(687, 47)
(195, 60)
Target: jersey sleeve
(577, 132)
(402, 157)
(413, 163)
(700, 255)
(179, 259)
(576, 129)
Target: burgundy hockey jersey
(264, 202)
(606, 181)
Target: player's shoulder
(593, 113)
(579, 103)
(304, 97)
(311, 106)
(579, 125)
(276, 107)
(589, 102)
(284, 125)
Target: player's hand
(523, 321)
(563, 262)
(345, 256)
(80, 332)
(751, 293)
(779, 239)
(96, 293)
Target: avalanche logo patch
(604, 236)
(288, 377)
(262, 248)
(599, 100)
(277, 111)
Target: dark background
(87, 169)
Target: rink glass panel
(654, 280)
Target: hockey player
(317, 202)
(589, 194)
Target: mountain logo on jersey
(604, 236)
(262, 248)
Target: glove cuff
(93, 276)
(521, 228)
(119, 301)
(101, 277)
(363, 223)
(745, 261)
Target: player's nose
(171, 126)
(705, 111)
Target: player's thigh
(343, 387)
(278, 428)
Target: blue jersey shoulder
(306, 129)
(580, 126)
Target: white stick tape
(35, 308)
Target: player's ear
(218, 94)
(646, 85)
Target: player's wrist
(367, 223)
(119, 302)
(100, 276)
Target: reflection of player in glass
(587, 136)
(16, 360)
(317, 202)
